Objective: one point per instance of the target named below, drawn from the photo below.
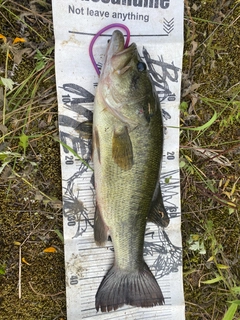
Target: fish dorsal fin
(122, 152)
(158, 213)
(100, 228)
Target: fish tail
(138, 288)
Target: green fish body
(127, 151)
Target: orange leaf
(16, 40)
(4, 38)
(50, 249)
(24, 260)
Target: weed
(222, 273)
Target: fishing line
(110, 26)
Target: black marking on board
(169, 256)
(168, 25)
(162, 74)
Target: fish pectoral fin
(157, 213)
(85, 129)
(100, 229)
(96, 143)
(122, 152)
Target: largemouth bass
(127, 150)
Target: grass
(210, 161)
(30, 182)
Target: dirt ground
(32, 278)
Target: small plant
(2, 268)
(199, 243)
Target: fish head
(124, 73)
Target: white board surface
(156, 27)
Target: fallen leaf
(24, 260)
(3, 37)
(50, 249)
(8, 83)
(17, 243)
(3, 128)
(16, 40)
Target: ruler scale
(160, 44)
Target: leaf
(2, 269)
(8, 83)
(24, 261)
(222, 266)
(183, 106)
(191, 89)
(50, 249)
(210, 259)
(167, 180)
(211, 281)
(16, 243)
(235, 289)
(3, 37)
(16, 40)
(237, 302)
(3, 128)
(204, 126)
(230, 312)
(23, 142)
(194, 48)
(59, 235)
(6, 157)
(74, 153)
(3, 166)
(182, 164)
(19, 54)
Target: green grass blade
(205, 125)
(59, 234)
(214, 280)
(230, 312)
(74, 153)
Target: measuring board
(157, 29)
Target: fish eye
(141, 66)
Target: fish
(127, 152)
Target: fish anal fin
(100, 228)
(157, 213)
(138, 288)
(122, 152)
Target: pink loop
(114, 25)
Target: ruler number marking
(74, 280)
(66, 99)
(71, 220)
(171, 155)
(69, 160)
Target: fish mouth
(117, 56)
(116, 43)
